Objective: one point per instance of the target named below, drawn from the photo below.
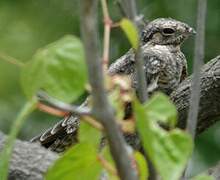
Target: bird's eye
(168, 31)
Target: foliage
(80, 161)
(141, 166)
(52, 69)
(131, 32)
(168, 150)
(202, 177)
(59, 69)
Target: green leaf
(117, 103)
(80, 162)
(59, 69)
(168, 150)
(203, 177)
(5, 154)
(88, 134)
(142, 166)
(161, 109)
(131, 32)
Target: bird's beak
(192, 31)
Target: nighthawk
(164, 64)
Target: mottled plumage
(164, 64)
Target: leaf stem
(93, 122)
(18, 123)
(107, 33)
(107, 165)
(11, 60)
(65, 107)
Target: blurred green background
(26, 25)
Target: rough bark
(209, 107)
(30, 161)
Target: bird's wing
(68, 125)
(154, 63)
(154, 60)
(62, 133)
(123, 65)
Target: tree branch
(81, 110)
(209, 106)
(198, 62)
(29, 161)
(131, 13)
(196, 79)
(101, 107)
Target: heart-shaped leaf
(59, 69)
(80, 162)
(168, 150)
(161, 109)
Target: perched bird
(164, 64)
(165, 67)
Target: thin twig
(107, 32)
(107, 165)
(101, 106)
(92, 122)
(51, 110)
(43, 97)
(198, 62)
(196, 79)
(11, 60)
(131, 12)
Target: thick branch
(209, 107)
(29, 161)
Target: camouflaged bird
(164, 64)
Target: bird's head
(166, 31)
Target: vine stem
(16, 126)
(107, 33)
